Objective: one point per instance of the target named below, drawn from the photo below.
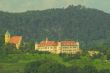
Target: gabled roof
(15, 39)
(68, 43)
(48, 43)
(53, 43)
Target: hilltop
(91, 27)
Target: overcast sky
(24, 5)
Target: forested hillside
(91, 27)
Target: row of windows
(69, 47)
(62, 50)
(44, 49)
(48, 47)
(59, 47)
(69, 50)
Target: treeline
(47, 66)
(91, 27)
(29, 47)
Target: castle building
(16, 40)
(70, 47)
(67, 47)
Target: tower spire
(7, 32)
(7, 37)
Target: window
(74, 46)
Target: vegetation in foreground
(27, 60)
(31, 63)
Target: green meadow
(13, 63)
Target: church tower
(7, 37)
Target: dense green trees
(44, 66)
(49, 66)
(74, 69)
(89, 69)
(89, 26)
(68, 57)
(104, 71)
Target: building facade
(67, 47)
(16, 40)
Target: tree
(44, 66)
(74, 69)
(33, 66)
(104, 71)
(28, 46)
(51, 67)
(89, 69)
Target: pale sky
(24, 5)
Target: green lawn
(17, 62)
(11, 67)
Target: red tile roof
(68, 43)
(53, 43)
(15, 39)
(48, 43)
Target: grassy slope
(15, 62)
